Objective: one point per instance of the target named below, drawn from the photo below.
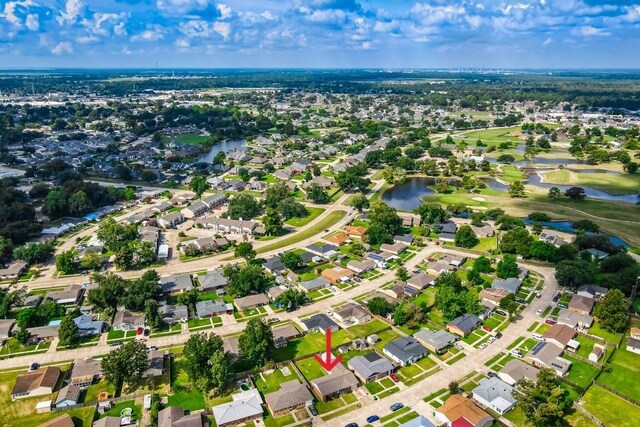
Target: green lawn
(623, 372)
(318, 228)
(271, 382)
(598, 331)
(115, 411)
(278, 422)
(310, 368)
(581, 373)
(300, 222)
(189, 400)
(610, 409)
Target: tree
(272, 222)
(141, 290)
(243, 206)
(68, 335)
(402, 274)
(126, 363)
(292, 299)
(10, 297)
(242, 280)
(22, 336)
(34, 253)
(152, 316)
(197, 354)
(554, 193)
(66, 262)
(545, 401)
(256, 342)
(482, 264)
(317, 194)
(292, 260)
(516, 189)
(79, 203)
(432, 213)
(539, 216)
(245, 250)
(575, 193)
(507, 267)
(219, 364)
(516, 241)
(384, 224)
(56, 203)
(6, 249)
(114, 235)
(360, 202)
(454, 387)
(574, 273)
(465, 237)
(198, 185)
(586, 225)
(189, 298)
(108, 290)
(631, 167)
(380, 306)
(91, 261)
(612, 311)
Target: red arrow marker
(327, 363)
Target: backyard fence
(617, 393)
(588, 414)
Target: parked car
(516, 353)
(139, 330)
(492, 374)
(491, 340)
(34, 366)
(372, 418)
(487, 328)
(115, 343)
(538, 295)
(146, 332)
(501, 313)
(351, 425)
(313, 410)
(550, 321)
(539, 312)
(499, 335)
(396, 406)
(394, 378)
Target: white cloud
(120, 29)
(73, 8)
(32, 22)
(10, 13)
(62, 48)
(182, 43)
(103, 23)
(366, 45)
(151, 34)
(222, 28)
(589, 31)
(225, 11)
(547, 41)
(181, 7)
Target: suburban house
(215, 200)
(14, 270)
(337, 274)
(463, 325)
(379, 259)
(495, 394)
(273, 265)
(361, 266)
(421, 280)
(84, 372)
(68, 395)
(547, 355)
(461, 411)
(156, 364)
(560, 335)
(209, 308)
(355, 231)
(314, 284)
(633, 345)
(36, 383)
(245, 406)
(323, 250)
(405, 239)
(231, 345)
(339, 381)
(512, 284)
(405, 350)
(515, 370)
(370, 367)
(338, 239)
(283, 334)
(172, 314)
(124, 320)
(213, 280)
(6, 326)
(87, 326)
(435, 341)
(292, 395)
(320, 323)
(581, 305)
(394, 248)
(573, 319)
(42, 333)
(352, 313)
(195, 209)
(592, 291)
(251, 301)
(419, 421)
(63, 420)
(227, 225)
(171, 220)
(176, 283)
(493, 296)
(70, 295)
(174, 416)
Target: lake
(406, 197)
(567, 227)
(226, 146)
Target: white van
(537, 337)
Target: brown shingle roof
(458, 406)
(63, 420)
(43, 377)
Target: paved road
(412, 396)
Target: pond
(406, 197)
(227, 146)
(567, 227)
(536, 181)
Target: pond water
(406, 197)
(567, 227)
(536, 181)
(226, 146)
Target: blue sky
(320, 33)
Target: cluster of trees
(519, 241)
(292, 299)
(110, 291)
(127, 363)
(481, 265)
(465, 237)
(122, 240)
(17, 217)
(384, 223)
(34, 253)
(354, 177)
(453, 299)
(38, 316)
(545, 401)
(242, 280)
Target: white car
(539, 312)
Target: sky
(319, 34)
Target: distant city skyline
(535, 34)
